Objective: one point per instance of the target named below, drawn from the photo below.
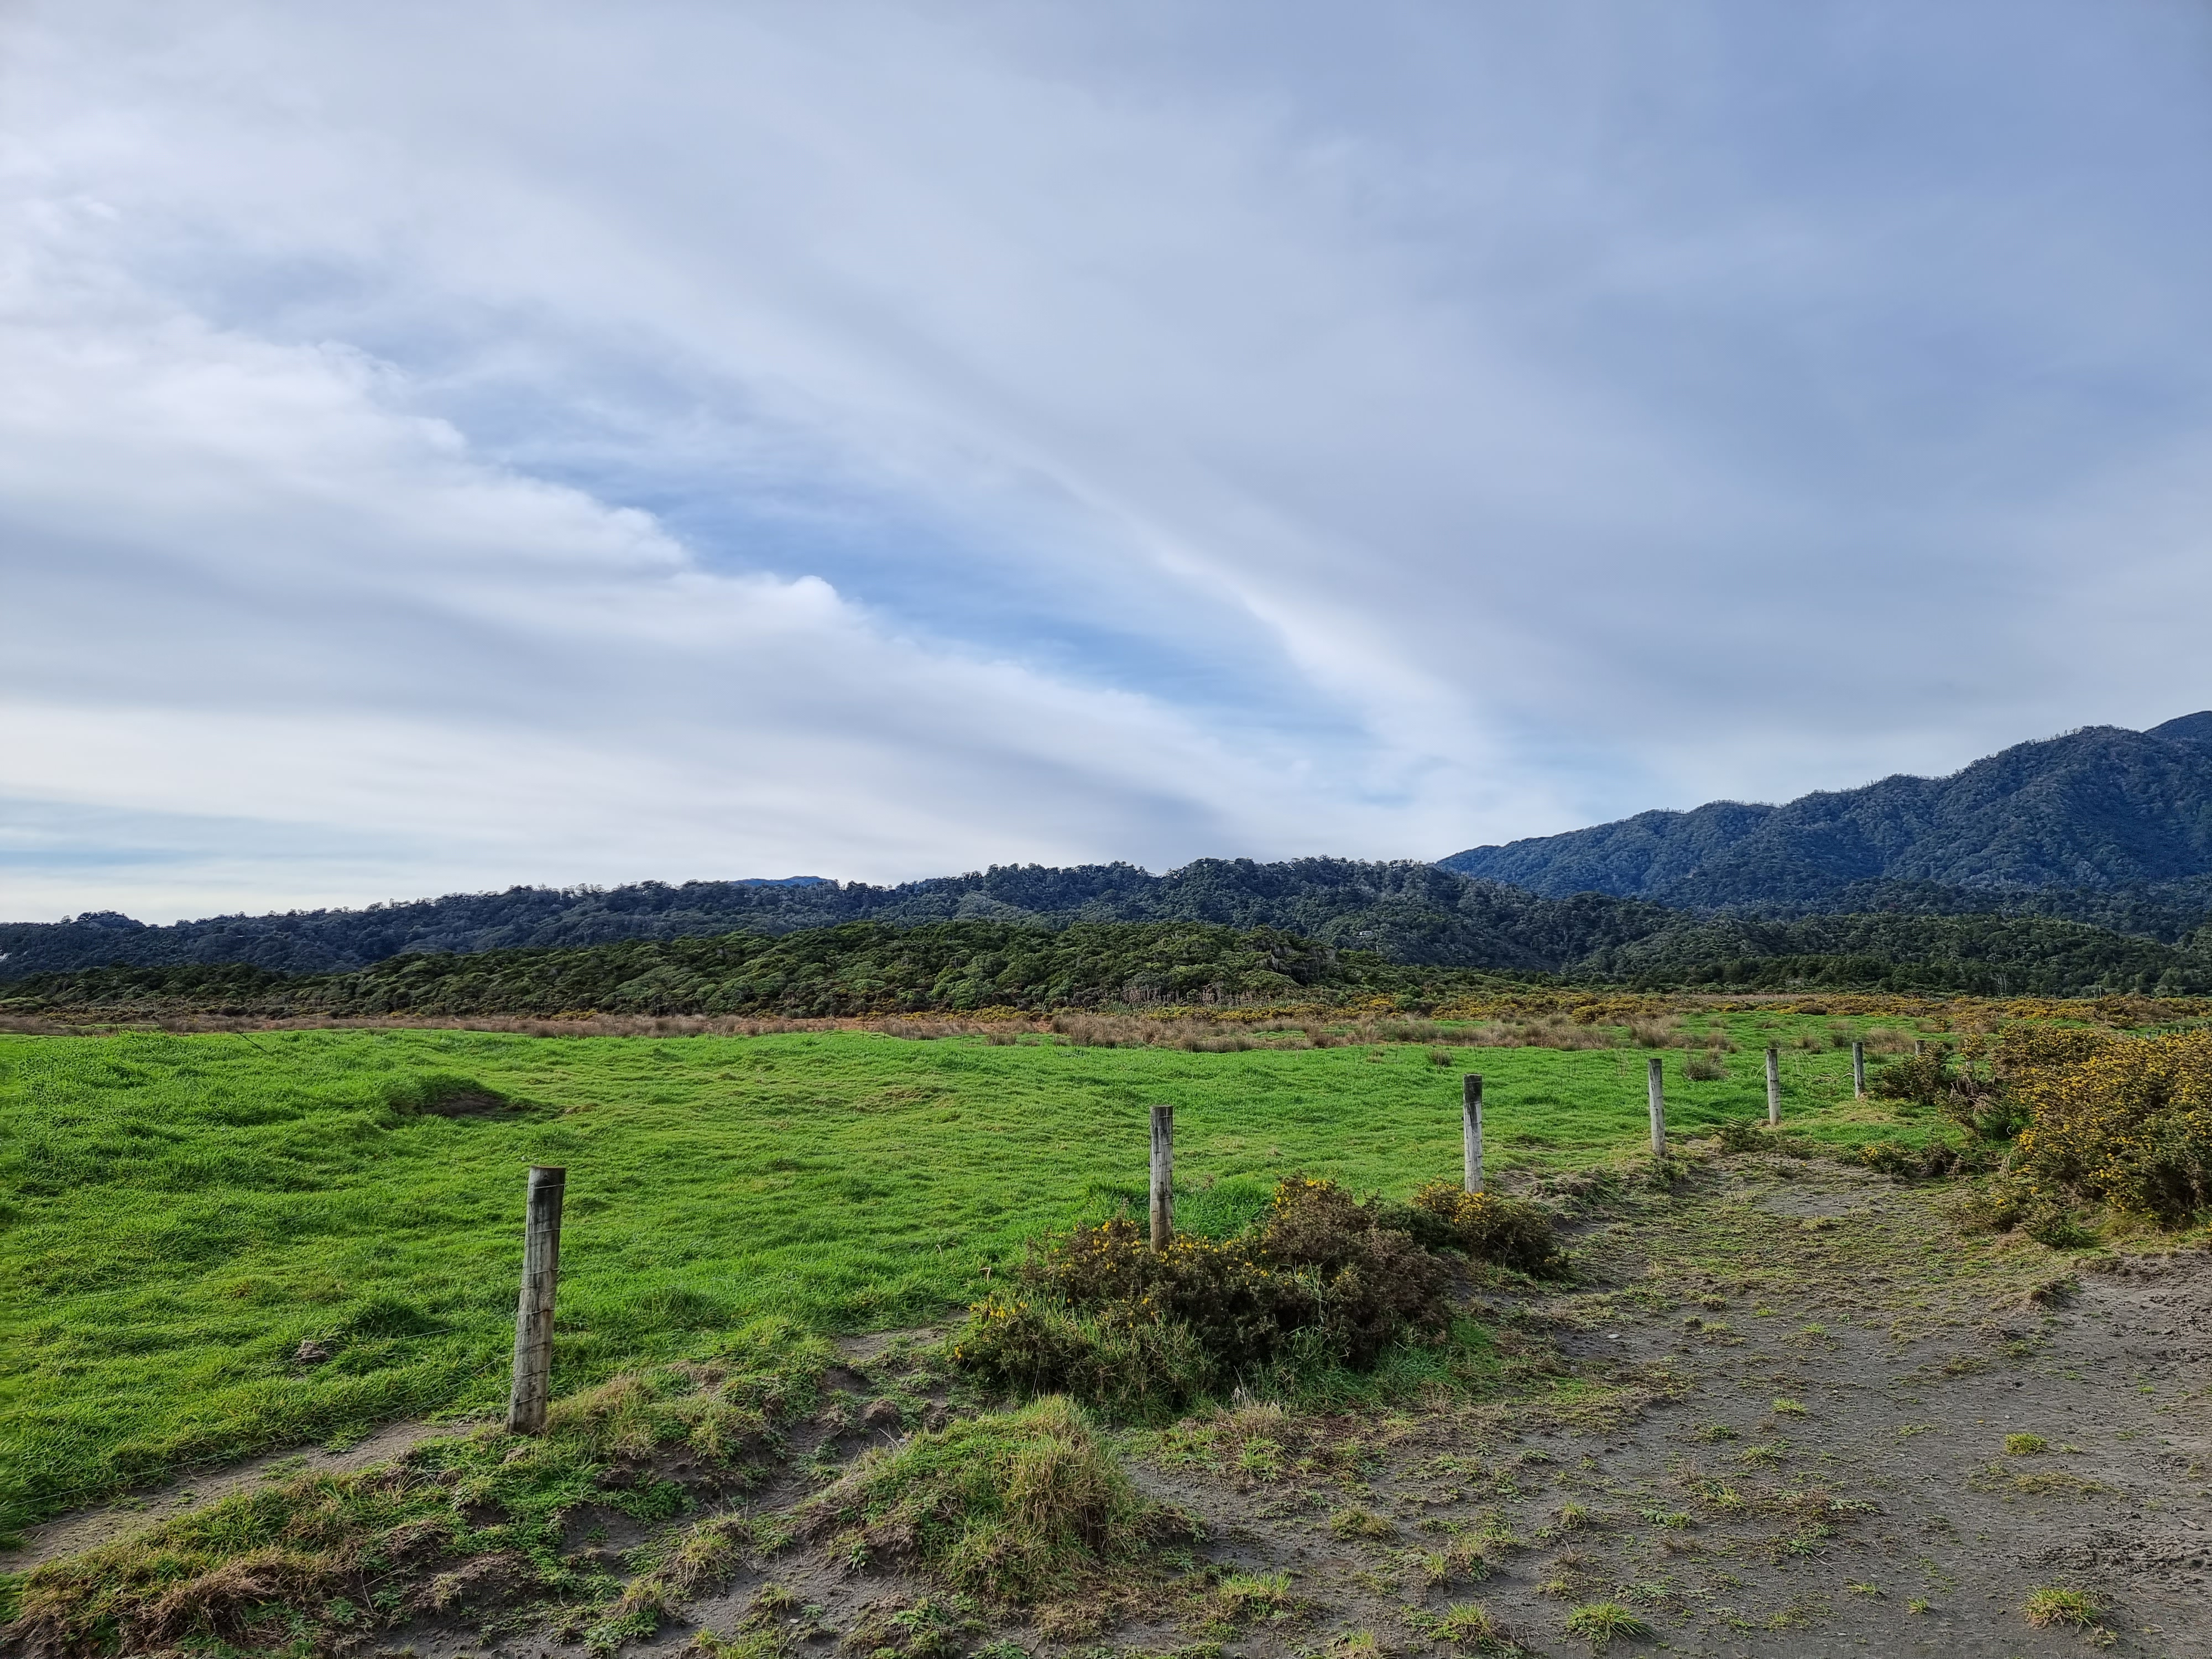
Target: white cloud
(558, 443)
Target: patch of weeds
(2056, 1605)
(2025, 1445)
(1873, 1590)
(1461, 1559)
(1602, 1623)
(1354, 1644)
(1919, 1605)
(1673, 1519)
(1715, 1431)
(694, 1560)
(1240, 1600)
(930, 1628)
(1785, 1406)
(1012, 1506)
(1355, 1523)
(1468, 1624)
(1571, 1518)
(2039, 1483)
(1762, 1457)
(1564, 1574)
(1261, 1458)
(1802, 1545)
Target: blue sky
(442, 447)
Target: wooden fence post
(1470, 1128)
(1658, 1112)
(1859, 1070)
(1773, 1087)
(1163, 1175)
(533, 1315)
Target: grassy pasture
(179, 1213)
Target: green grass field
(177, 1213)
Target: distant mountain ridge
(2093, 814)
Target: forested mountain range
(2079, 863)
(2102, 826)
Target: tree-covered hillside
(2098, 812)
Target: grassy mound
(1017, 1507)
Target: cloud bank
(555, 443)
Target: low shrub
(1507, 1232)
(2124, 1119)
(1318, 1279)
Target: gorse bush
(2124, 1119)
(1506, 1231)
(1318, 1277)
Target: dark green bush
(1320, 1277)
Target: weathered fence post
(533, 1315)
(1919, 1047)
(1773, 1087)
(1658, 1112)
(1859, 1070)
(1470, 1128)
(1163, 1175)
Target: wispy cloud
(558, 443)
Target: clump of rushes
(2055, 1605)
(1599, 1623)
(259, 1567)
(1319, 1279)
(1013, 1506)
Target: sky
(449, 446)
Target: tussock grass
(2058, 1606)
(1602, 1623)
(1014, 1506)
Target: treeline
(1408, 911)
(858, 968)
(1980, 955)
(949, 967)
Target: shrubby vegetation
(861, 968)
(1319, 1280)
(872, 968)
